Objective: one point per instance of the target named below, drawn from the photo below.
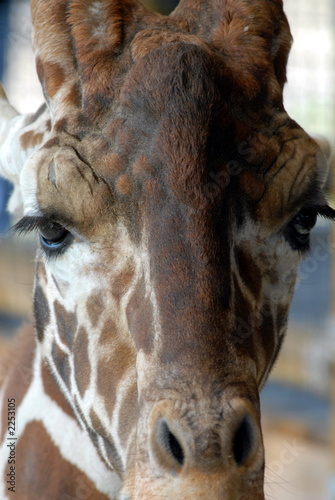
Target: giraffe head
(174, 198)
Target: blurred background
(298, 401)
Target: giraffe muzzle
(216, 461)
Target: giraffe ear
(254, 34)
(9, 168)
(20, 136)
(77, 44)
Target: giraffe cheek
(41, 312)
(66, 324)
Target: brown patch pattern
(108, 333)
(122, 281)
(43, 472)
(95, 307)
(66, 324)
(54, 77)
(73, 97)
(112, 164)
(124, 184)
(128, 413)
(250, 273)
(30, 139)
(110, 448)
(118, 357)
(62, 363)
(141, 166)
(140, 319)
(82, 363)
(53, 391)
(41, 312)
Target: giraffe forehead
(183, 123)
(171, 139)
(150, 39)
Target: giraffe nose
(170, 446)
(233, 442)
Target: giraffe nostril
(244, 440)
(168, 441)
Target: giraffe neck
(48, 434)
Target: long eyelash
(325, 211)
(29, 223)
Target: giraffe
(173, 197)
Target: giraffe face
(156, 293)
(173, 208)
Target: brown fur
(81, 359)
(95, 307)
(174, 164)
(52, 390)
(45, 470)
(115, 361)
(30, 139)
(66, 324)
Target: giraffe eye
(53, 235)
(298, 231)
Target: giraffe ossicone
(173, 197)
